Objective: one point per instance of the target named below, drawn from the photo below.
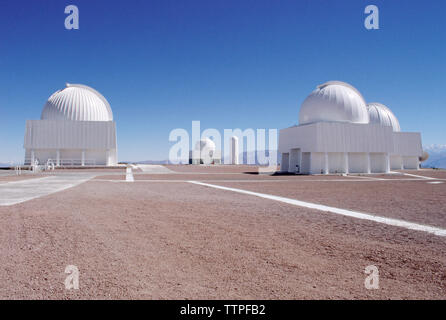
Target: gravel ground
(159, 240)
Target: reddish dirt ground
(159, 240)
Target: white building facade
(339, 133)
(76, 129)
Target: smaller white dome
(380, 114)
(205, 144)
(334, 101)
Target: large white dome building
(339, 132)
(76, 128)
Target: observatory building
(205, 153)
(339, 132)
(76, 128)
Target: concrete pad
(152, 168)
(12, 193)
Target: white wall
(306, 162)
(410, 162)
(97, 157)
(337, 137)
(317, 163)
(82, 135)
(349, 137)
(378, 162)
(357, 162)
(336, 162)
(407, 144)
(396, 162)
(45, 137)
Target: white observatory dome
(334, 101)
(78, 103)
(205, 144)
(382, 115)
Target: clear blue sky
(230, 64)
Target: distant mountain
(149, 162)
(437, 156)
(243, 157)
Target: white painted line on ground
(365, 177)
(343, 212)
(435, 182)
(417, 176)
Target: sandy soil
(178, 240)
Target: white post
(311, 164)
(368, 163)
(58, 158)
(234, 150)
(387, 163)
(346, 165)
(129, 174)
(32, 157)
(402, 162)
(83, 158)
(326, 164)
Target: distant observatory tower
(234, 150)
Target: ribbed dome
(78, 103)
(334, 101)
(380, 114)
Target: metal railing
(62, 162)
